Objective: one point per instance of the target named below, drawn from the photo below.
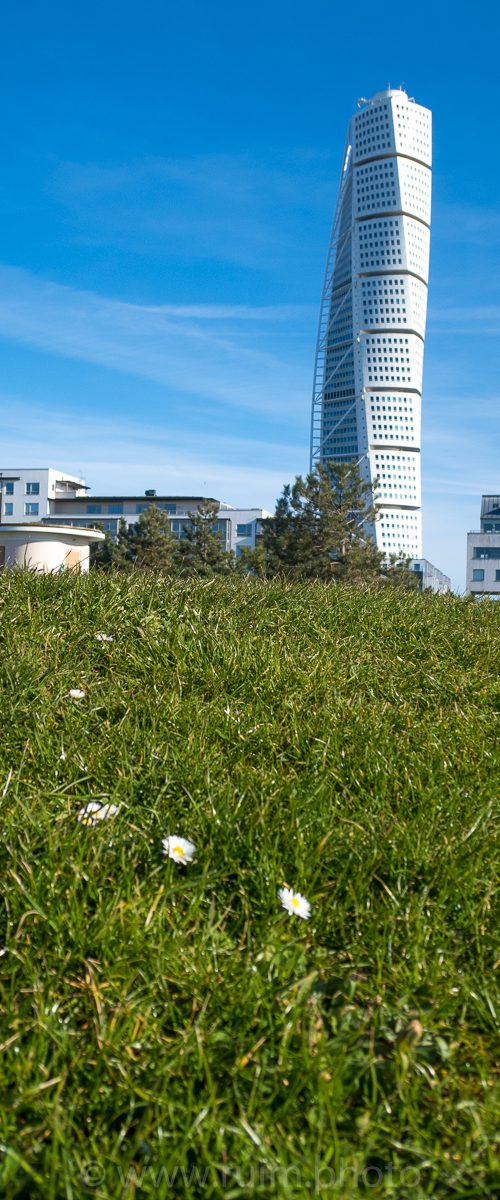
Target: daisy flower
(76, 693)
(179, 849)
(94, 812)
(104, 637)
(295, 904)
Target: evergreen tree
(110, 554)
(319, 529)
(200, 551)
(252, 561)
(148, 543)
(398, 573)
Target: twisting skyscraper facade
(369, 355)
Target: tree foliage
(200, 551)
(148, 543)
(111, 553)
(322, 527)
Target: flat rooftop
(141, 498)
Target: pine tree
(320, 528)
(148, 544)
(252, 561)
(200, 551)
(280, 536)
(111, 554)
(398, 573)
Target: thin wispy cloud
(469, 320)
(469, 224)
(222, 355)
(462, 461)
(220, 207)
(145, 455)
(52, 426)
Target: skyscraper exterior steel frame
(369, 354)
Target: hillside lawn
(170, 1030)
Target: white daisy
(295, 904)
(179, 849)
(76, 693)
(104, 637)
(94, 812)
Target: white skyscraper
(369, 356)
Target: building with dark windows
(369, 355)
(238, 527)
(53, 497)
(27, 493)
(483, 551)
(430, 578)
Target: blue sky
(169, 176)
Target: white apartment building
(369, 355)
(54, 497)
(483, 552)
(245, 526)
(239, 527)
(430, 578)
(27, 493)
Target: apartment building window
(94, 508)
(32, 489)
(486, 552)
(244, 530)
(8, 509)
(220, 527)
(497, 576)
(31, 510)
(9, 489)
(478, 576)
(115, 508)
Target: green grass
(170, 1031)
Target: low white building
(48, 495)
(483, 551)
(245, 526)
(238, 527)
(430, 578)
(47, 549)
(27, 493)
